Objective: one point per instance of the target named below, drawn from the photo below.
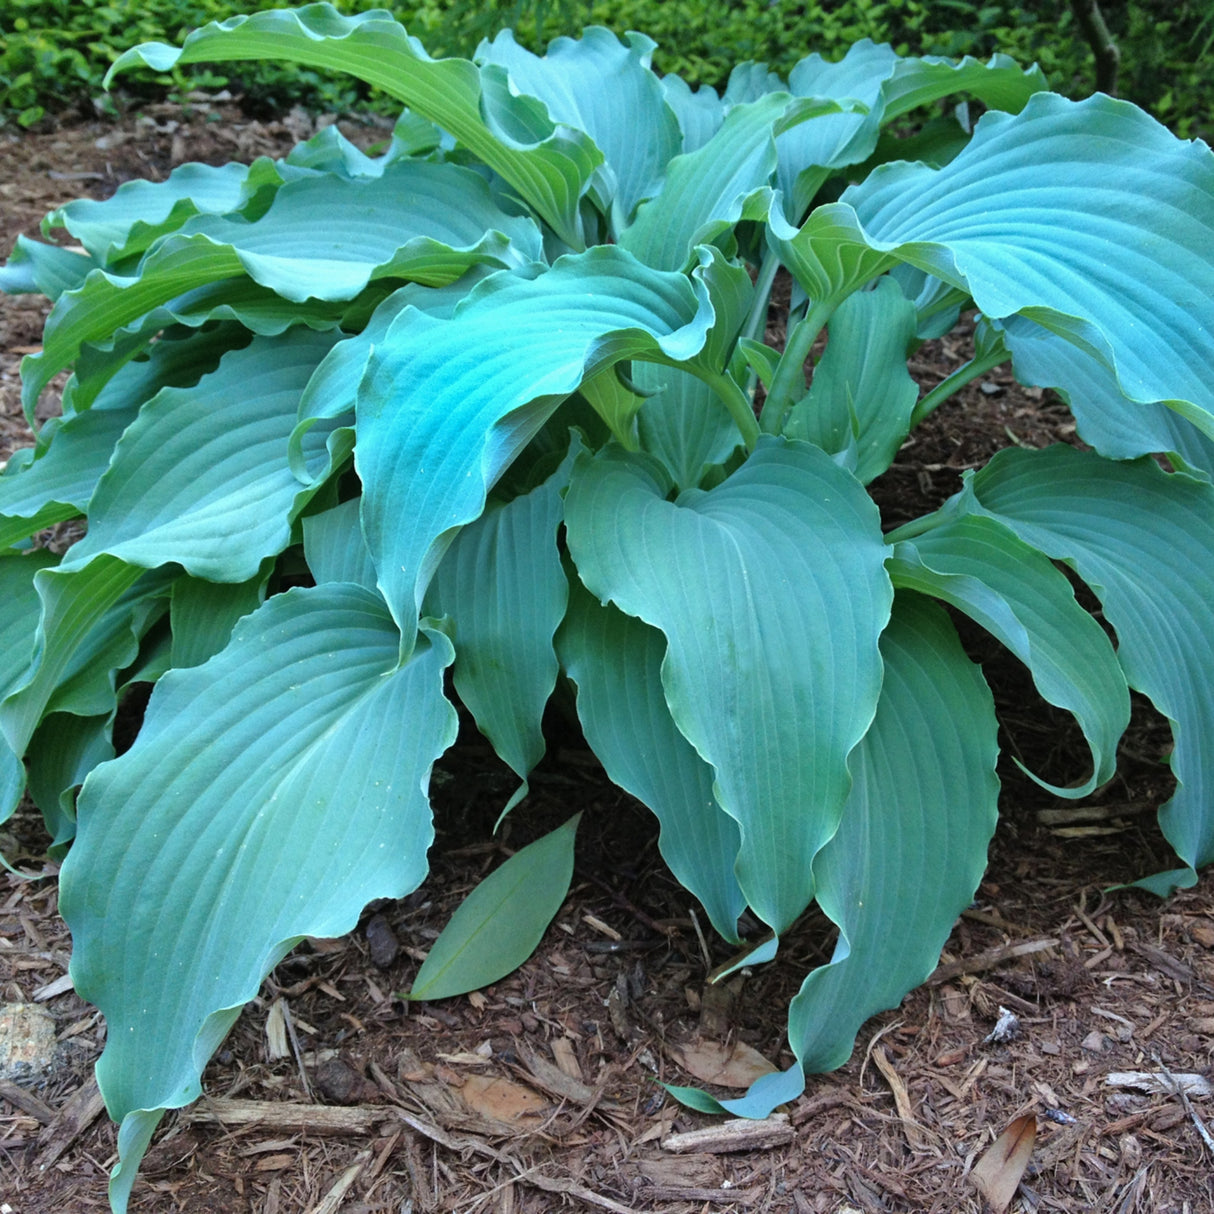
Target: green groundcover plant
(498, 400)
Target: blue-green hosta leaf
(771, 592)
(1088, 218)
(202, 614)
(615, 661)
(1144, 541)
(201, 477)
(548, 165)
(888, 87)
(64, 749)
(498, 925)
(1106, 419)
(271, 793)
(323, 238)
(446, 405)
(334, 546)
(862, 395)
(329, 151)
(699, 112)
(980, 567)
(603, 87)
(684, 424)
(503, 589)
(923, 800)
(18, 623)
(708, 191)
(92, 622)
(140, 211)
(34, 268)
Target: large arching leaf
(549, 166)
(1088, 218)
(445, 406)
(980, 567)
(1144, 541)
(199, 865)
(771, 592)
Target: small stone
(381, 941)
(27, 1041)
(1131, 1151)
(1095, 1042)
(339, 1083)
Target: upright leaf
(771, 592)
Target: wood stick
(738, 1135)
(991, 959)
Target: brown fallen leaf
(727, 1066)
(997, 1174)
(501, 1099)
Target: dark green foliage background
(53, 53)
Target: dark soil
(370, 1106)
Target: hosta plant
(500, 400)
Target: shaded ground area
(541, 1093)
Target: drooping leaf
(201, 477)
(1143, 540)
(1087, 218)
(446, 405)
(1019, 597)
(334, 546)
(92, 621)
(548, 165)
(202, 614)
(323, 238)
(62, 752)
(503, 589)
(138, 212)
(197, 868)
(615, 662)
(498, 925)
(34, 268)
(771, 592)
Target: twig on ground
(1179, 1089)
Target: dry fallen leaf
(501, 1099)
(997, 1174)
(728, 1066)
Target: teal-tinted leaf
(202, 615)
(503, 590)
(979, 566)
(923, 801)
(548, 166)
(615, 661)
(498, 925)
(700, 112)
(684, 424)
(34, 268)
(1106, 419)
(335, 549)
(198, 866)
(771, 592)
(862, 395)
(92, 621)
(1144, 541)
(323, 238)
(708, 190)
(446, 405)
(18, 623)
(63, 751)
(201, 477)
(1088, 218)
(603, 87)
(138, 212)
